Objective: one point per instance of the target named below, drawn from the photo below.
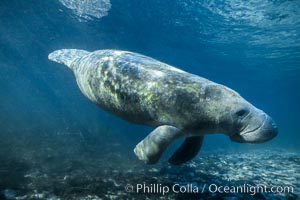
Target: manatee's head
(239, 119)
(251, 125)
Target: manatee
(176, 103)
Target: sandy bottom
(212, 175)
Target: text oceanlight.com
(211, 188)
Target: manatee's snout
(259, 128)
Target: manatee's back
(137, 88)
(140, 89)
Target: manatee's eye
(242, 113)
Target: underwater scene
(160, 99)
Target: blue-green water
(51, 134)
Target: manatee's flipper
(151, 148)
(66, 56)
(188, 150)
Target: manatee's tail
(66, 56)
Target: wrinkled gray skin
(179, 104)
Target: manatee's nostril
(274, 125)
